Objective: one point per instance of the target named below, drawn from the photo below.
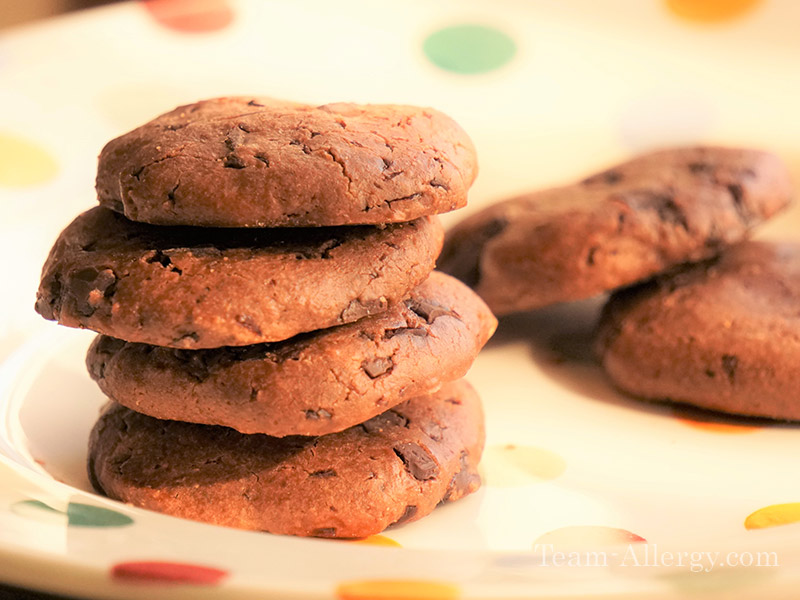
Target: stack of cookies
(699, 314)
(280, 354)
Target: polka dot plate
(587, 493)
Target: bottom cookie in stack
(393, 468)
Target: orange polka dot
(510, 465)
(191, 16)
(24, 163)
(587, 537)
(711, 11)
(713, 422)
(377, 540)
(774, 515)
(388, 589)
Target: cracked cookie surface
(616, 227)
(394, 468)
(721, 335)
(189, 287)
(260, 162)
(313, 384)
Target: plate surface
(550, 92)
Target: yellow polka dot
(388, 589)
(711, 11)
(774, 515)
(511, 465)
(377, 540)
(23, 163)
(587, 537)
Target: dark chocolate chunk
(89, 287)
(428, 310)
(730, 363)
(409, 513)
(359, 308)
(383, 421)
(320, 413)
(375, 367)
(324, 474)
(417, 460)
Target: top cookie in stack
(244, 162)
(267, 266)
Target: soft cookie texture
(721, 335)
(615, 228)
(394, 468)
(312, 384)
(189, 287)
(260, 162)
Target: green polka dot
(84, 515)
(77, 515)
(39, 511)
(469, 49)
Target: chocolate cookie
(614, 228)
(394, 468)
(259, 162)
(720, 335)
(312, 384)
(191, 287)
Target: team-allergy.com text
(649, 555)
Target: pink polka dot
(191, 16)
(169, 572)
(587, 536)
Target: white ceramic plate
(650, 494)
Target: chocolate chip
(358, 309)
(158, 256)
(438, 184)
(413, 331)
(737, 196)
(384, 421)
(698, 168)
(662, 203)
(48, 303)
(609, 177)
(433, 430)
(375, 367)
(315, 415)
(730, 363)
(463, 482)
(324, 532)
(248, 323)
(90, 287)
(417, 461)
(233, 162)
(590, 255)
(409, 513)
(263, 159)
(192, 335)
(324, 474)
(428, 310)
(193, 362)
